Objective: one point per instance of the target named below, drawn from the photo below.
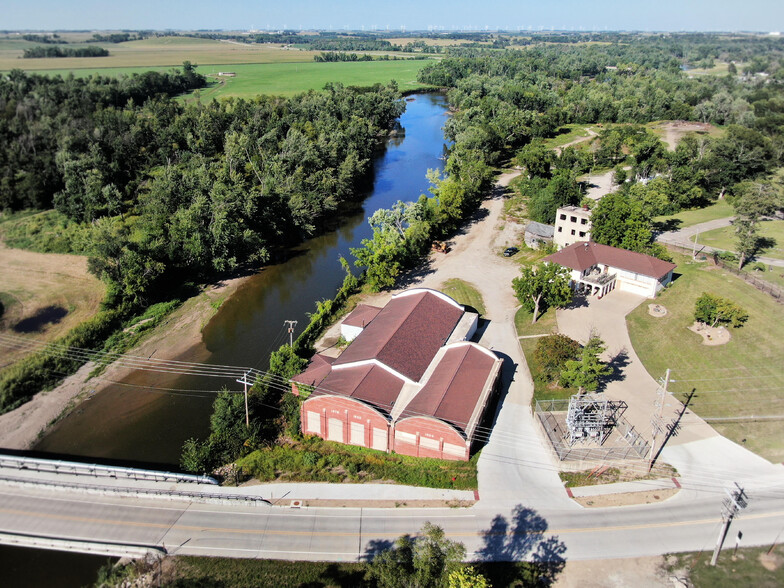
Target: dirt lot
(44, 295)
(640, 572)
(673, 131)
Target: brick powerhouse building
(410, 382)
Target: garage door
(429, 443)
(380, 439)
(335, 430)
(314, 422)
(635, 288)
(456, 450)
(357, 434)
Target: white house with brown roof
(411, 381)
(598, 269)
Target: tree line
(57, 51)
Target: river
(147, 417)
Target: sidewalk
(624, 487)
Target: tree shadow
(414, 276)
(335, 576)
(764, 243)
(376, 546)
(49, 315)
(617, 363)
(578, 301)
(477, 216)
(521, 538)
(671, 224)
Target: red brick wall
(438, 431)
(346, 410)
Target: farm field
(287, 79)
(161, 51)
(724, 238)
(742, 378)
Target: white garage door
(429, 443)
(380, 439)
(314, 422)
(635, 288)
(335, 430)
(402, 437)
(357, 434)
(456, 450)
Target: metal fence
(628, 444)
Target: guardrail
(84, 469)
(137, 492)
(81, 546)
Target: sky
(596, 15)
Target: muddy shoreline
(23, 427)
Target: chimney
(585, 207)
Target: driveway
(632, 383)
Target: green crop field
(742, 378)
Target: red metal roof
(368, 383)
(406, 334)
(454, 387)
(580, 256)
(361, 315)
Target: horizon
(758, 16)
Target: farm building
(410, 382)
(598, 269)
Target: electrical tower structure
(735, 502)
(589, 417)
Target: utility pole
(657, 424)
(245, 383)
(735, 501)
(291, 325)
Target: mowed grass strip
(688, 218)
(743, 378)
(725, 238)
(464, 293)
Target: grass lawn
(745, 569)
(568, 133)
(724, 238)
(744, 377)
(464, 293)
(688, 218)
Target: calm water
(147, 417)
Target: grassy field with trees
(771, 232)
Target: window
(573, 219)
(572, 231)
(560, 229)
(563, 217)
(583, 221)
(582, 233)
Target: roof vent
(586, 246)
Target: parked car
(510, 251)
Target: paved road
(503, 531)
(684, 238)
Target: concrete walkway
(684, 238)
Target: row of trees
(57, 51)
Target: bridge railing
(86, 469)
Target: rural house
(598, 269)
(410, 382)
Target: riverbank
(176, 338)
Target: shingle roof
(361, 315)
(582, 255)
(368, 383)
(454, 387)
(406, 334)
(317, 370)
